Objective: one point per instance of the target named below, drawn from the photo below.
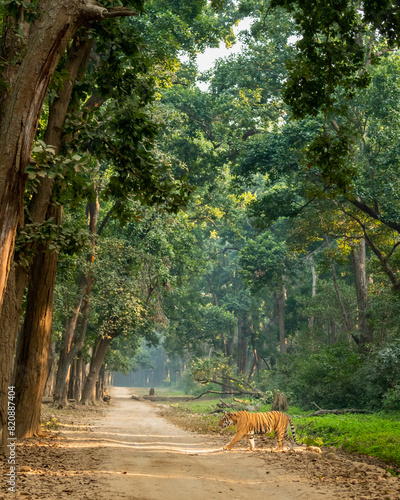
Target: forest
(243, 221)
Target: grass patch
(377, 435)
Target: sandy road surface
(149, 458)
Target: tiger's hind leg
(288, 438)
(280, 435)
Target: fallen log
(338, 412)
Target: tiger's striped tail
(294, 433)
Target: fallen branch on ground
(209, 392)
(339, 412)
(321, 411)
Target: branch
(223, 251)
(208, 392)
(372, 213)
(95, 11)
(249, 133)
(315, 404)
(107, 217)
(237, 390)
(392, 250)
(381, 257)
(338, 412)
(120, 12)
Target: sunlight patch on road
(186, 478)
(150, 447)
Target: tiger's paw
(226, 448)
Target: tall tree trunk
(51, 377)
(230, 342)
(242, 345)
(75, 333)
(76, 378)
(33, 354)
(361, 284)
(254, 365)
(99, 353)
(346, 317)
(313, 289)
(280, 302)
(6, 361)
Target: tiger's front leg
(238, 437)
(250, 439)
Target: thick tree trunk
(22, 101)
(6, 361)
(33, 353)
(279, 403)
(48, 38)
(99, 353)
(361, 284)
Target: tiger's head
(226, 420)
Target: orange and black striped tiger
(247, 424)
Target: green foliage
(338, 377)
(263, 261)
(391, 399)
(216, 368)
(376, 435)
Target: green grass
(377, 435)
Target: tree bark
(75, 333)
(33, 353)
(280, 301)
(21, 101)
(51, 376)
(361, 285)
(99, 353)
(346, 318)
(313, 289)
(279, 403)
(230, 343)
(6, 361)
(48, 38)
(75, 384)
(241, 346)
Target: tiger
(247, 424)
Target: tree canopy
(249, 230)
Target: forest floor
(137, 450)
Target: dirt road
(131, 452)
(152, 459)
